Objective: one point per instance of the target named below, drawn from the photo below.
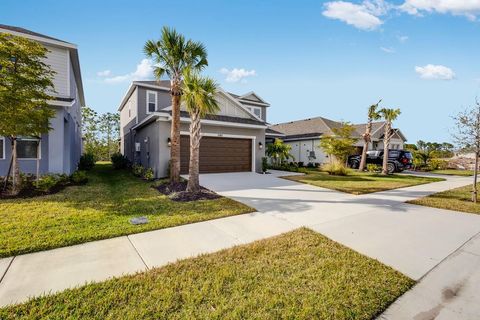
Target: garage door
(218, 154)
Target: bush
(335, 169)
(79, 177)
(87, 161)
(47, 182)
(437, 164)
(264, 164)
(138, 170)
(374, 168)
(148, 174)
(302, 170)
(119, 161)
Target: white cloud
(104, 73)
(468, 8)
(144, 71)
(364, 16)
(387, 49)
(402, 39)
(236, 75)
(435, 72)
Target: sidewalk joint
(138, 253)
(6, 270)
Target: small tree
(389, 115)
(373, 115)
(341, 143)
(467, 136)
(279, 152)
(25, 81)
(109, 127)
(199, 98)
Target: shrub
(119, 161)
(335, 169)
(47, 182)
(374, 168)
(300, 163)
(437, 164)
(87, 161)
(264, 164)
(302, 170)
(79, 177)
(138, 170)
(148, 174)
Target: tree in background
(389, 115)
(279, 152)
(373, 115)
(25, 83)
(199, 98)
(173, 54)
(340, 143)
(467, 136)
(424, 152)
(101, 133)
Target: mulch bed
(176, 192)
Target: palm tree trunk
(175, 133)
(194, 165)
(386, 142)
(366, 139)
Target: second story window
(151, 101)
(256, 111)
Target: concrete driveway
(411, 239)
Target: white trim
(151, 86)
(3, 153)
(254, 102)
(68, 75)
(40, 39)
(226, 123)
(256, 95)
(231, 136)
(147, 100)
(61, 103)
(39, 151)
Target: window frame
(4, 156)
(148, 102)
(39, 151)
(252, 108)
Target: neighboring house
(233, 140)
(304, 137)
(61, 148)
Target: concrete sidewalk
(409, 238)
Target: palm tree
(172, 54)
(279, 152)
(373, 115)
(389, 115)
(199, 98)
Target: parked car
(398, 160)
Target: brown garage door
(218, 154)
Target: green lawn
(100, 209)
(459, 199)
(454, 172)
(298, 275)
(360, 182)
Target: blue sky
(307, 58)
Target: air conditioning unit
(137, 146)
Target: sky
(306, 58)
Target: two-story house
(233, 140)
(61, 148)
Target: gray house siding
(26, 166)
(149, 153)
(164, 100)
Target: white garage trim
(232, 136)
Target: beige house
(304, 137)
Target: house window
(255, 110)
(27, 148)
(151, 101)
(2, 148)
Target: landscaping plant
(340, 143)
(25, 80)
(148, 174)
(87, 162)
(279, 152)
(199, 98)
(119, 161)
(172, 54)
(79, 177)
(373, 115)
(138, 170)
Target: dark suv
(398, 160)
